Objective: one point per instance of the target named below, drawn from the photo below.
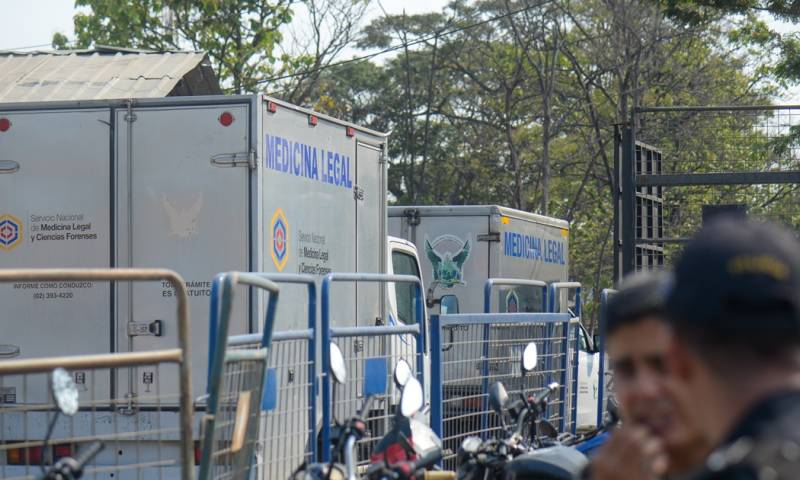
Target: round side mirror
(471, 444)
(65, 392)
(338, 370)
(498, 397)
(411, 400)
(546, 429)
(402, 373)
(530, 357)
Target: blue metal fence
(235, 383)
(370, 353)
(289, 402)
(515, 283)
(464, 362)
(602, 394)
(569, 370)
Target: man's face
(643, 385)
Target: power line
(29, 46)
(407, 44)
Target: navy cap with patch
(640, 295)
(739, 279)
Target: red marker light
(351, 132)
(312, 120)
(272, 107)
(5, 124)
(226, 119)
(61, 451)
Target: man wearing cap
(735, 355)
(656, 437)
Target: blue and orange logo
(10, 232)
(279, 231)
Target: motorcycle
(410, 448)
(65, 394)
(423, 451)
(529, 450)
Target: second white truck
(461, 247)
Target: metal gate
(370, 353)
(235, 383)
(148, 435)
(605, 374)
(459, 383)
(289, 402)
(679, 166)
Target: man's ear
(679, 359)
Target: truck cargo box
(463, 246)
(199, 185)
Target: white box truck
(463, 246)
(199, 185)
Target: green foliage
(520, 110)
(239, 36)
(468, 111)
(785, 46)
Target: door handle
(9, 166)
(238, 159)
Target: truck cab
(403, 259)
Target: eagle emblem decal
(447, 264)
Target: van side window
(404, 264)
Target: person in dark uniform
(735, 355)
(656, 437)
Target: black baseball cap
(640, 295)
(738, 281)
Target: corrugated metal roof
(101, 73)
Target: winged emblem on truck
(182, 221)
(448, 265)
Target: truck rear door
(55, 211)
(370, 237)
(183, 205)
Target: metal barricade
(146, 437)
(603, 392)
(288, 403)
(568, 409)
(512, 282)
(235, 383)
(370, 354)
(464, 362)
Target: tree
(785, 47)
(244, 39)
(239, 36)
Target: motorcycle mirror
(471, 444)
(498, 397)
(530, 358)
(411, 400)
(402, 372)
(65, 392)
(546, 429)
(338, 370)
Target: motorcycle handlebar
(541, 396)
(428, 460)
(89, 454)
(365, 408)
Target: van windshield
(404, 264)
